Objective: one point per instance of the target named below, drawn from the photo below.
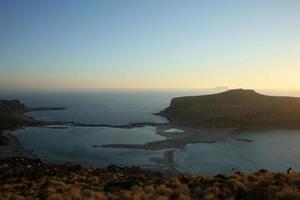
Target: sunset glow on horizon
(149, 44)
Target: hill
(235, 108)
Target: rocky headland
(234, 109)
(12, 118)
(12, 115)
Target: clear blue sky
(54, 44)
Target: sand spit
(179, 139)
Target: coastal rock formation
(235, 108)
(12, 118)
(11, 115)
(11, 106)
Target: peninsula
(234, 109)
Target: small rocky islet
(24, 176)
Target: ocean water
(97, 107)
(274, 150)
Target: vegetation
(32, 179)
(235, 108)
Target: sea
(274, 150)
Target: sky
(154, 44)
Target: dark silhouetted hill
(235, 108)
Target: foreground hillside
(32, 179)
(235, 108)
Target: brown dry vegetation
(32, 179)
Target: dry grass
(41, 181)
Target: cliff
(235, 108)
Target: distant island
(237, 108)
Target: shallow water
(77, 145)
(275, 150)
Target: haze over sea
(274, 150)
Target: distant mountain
(235, 108)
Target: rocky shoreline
(12, 118)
